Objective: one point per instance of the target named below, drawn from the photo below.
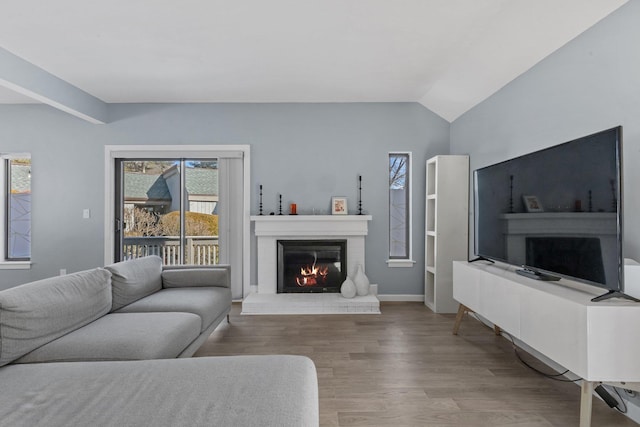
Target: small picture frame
(532, 204)
(338, 206)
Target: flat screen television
(556, 212)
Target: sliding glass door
(169, 208)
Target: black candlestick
(510, 193)
(280, 204)
(359, 194)
(590, 202)
(260, 199)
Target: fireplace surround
(269, 229)
(263, 296)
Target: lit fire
(311, 276)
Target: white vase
(348, 288)
(361, 281)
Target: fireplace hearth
(314, 266)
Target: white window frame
(408, 260)
(4, 263)
(171, 152)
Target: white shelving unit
(447, 228)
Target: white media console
(599, 342)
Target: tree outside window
(399, 205)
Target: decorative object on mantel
(348, 288)
(614, 199)
(361, 281)
(338, 205)
(590, 202)
(293, 209)
(279, 204)
(532, 204)
(511, 194)
(260, 211)
(577, 205)
(359, 194)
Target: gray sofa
(132, 310)
(110, 347)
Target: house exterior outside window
(16, 212)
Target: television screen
(556, 211)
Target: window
(16, 212)
(167, 208)
(400, 253)
(231, 207)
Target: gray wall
(307, 152)
(590, 84)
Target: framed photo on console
(338, 205)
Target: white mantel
(269, 229)
(311, 225)
(557, 223)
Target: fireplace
(579, 257)
(311, 265)
(273, 230)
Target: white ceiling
(447, 54)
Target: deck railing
(199, 250)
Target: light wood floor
(405, 368)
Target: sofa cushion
(201, 391)
(135, 279)
(122, 336)
(208, 303)
(173, 277)
(33, 314)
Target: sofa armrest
(180, 276)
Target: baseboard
(401, 297)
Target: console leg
(462, 309)
(585, 403)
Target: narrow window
(17, 207)
(399, 206)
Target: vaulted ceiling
(448, 55)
